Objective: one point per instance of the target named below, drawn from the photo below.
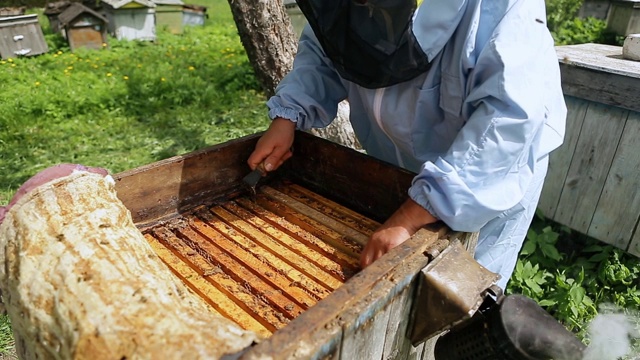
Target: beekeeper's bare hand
(408, 219)
(44, 176)
(274, 147)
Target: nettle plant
(573, 276)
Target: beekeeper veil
(370, 42)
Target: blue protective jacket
(476, 128)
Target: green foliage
(572, 276)
(566, 28)
(128, 104)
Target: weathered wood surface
(618, 211)
(590, 165)
(369, 186)
(599, 73)
(560, 159)
(81, 282)
(334, 322)
(168, 187)
(375, 304)
(593, 179)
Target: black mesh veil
(370, 42)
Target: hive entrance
(263, 261)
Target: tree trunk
(81, 282)
(269, 40)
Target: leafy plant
(572, 276)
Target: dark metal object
(251, 180)
(452, 288)
(512, 327)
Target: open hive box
(284, 262)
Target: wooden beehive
(130, 19)
(284, 262)
(593, 179)
(21, 36)
(83, 27)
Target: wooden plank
(312, 241)
(343, 243)
(396, 343)
(326, 206)
(590, 165)
(250, 303)
(634, 246)
(307, 335)
(310, 254)
(164, 188)
(560, 159)
(265, 248)
(365, 339)
(359, 182)
(328, 221)
(606, 88)
(599, 73)
(266, 273)
(217, 301)
(618, 210)
(600, 57)
(240, 273)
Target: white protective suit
(477, 128)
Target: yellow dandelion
(183, 48)
(229, 65)
(104, 44)
(109, 74)
(139, 66)
(59, 52)
(69, 67)
(163, 79)
(66, 71)
(95, 66)
(13, 65)
(125, 77)
(191, 68)
(37, 83)
(55, 55)
(10, 60)
(2, 62)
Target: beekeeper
(466, 93)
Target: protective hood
(370, 42)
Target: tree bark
(81, 282)
(269, 40)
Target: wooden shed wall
(593, 184)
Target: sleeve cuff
(421, 199)
(286, 113)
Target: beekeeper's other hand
(408, 219)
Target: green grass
(129, 104)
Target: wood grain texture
(598, 73)
(590, 165)
(81, 282)
(560, 159)
(319, 330)
(618, 209)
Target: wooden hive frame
(367, 317)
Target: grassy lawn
(127, 105)
(133, 103)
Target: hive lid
(116, 4)
(74, 11)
